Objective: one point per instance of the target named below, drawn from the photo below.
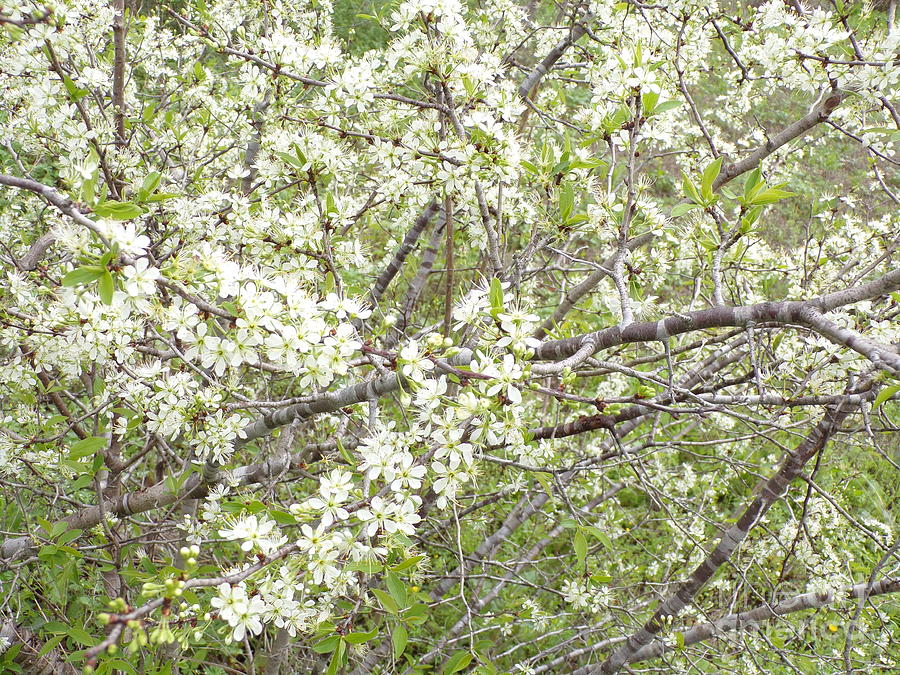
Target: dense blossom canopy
(493, 336)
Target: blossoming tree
(422, 335)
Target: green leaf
(397, 589)
(295, 162)
(581, 547)
(81, 636)
(359, 638)
(665, 106)
(680, 209)
(544, 479)
(83, 275)
(106, 287)
(327, 645)
(496, 296)
(679, 640)
(771, 196)
(399, 639)
(87, 446)
(600, 536)
(710, 174)
(118, 210)
(255, 506)
(576, 219)
(566, 201)
(386, 601)
(752, 180)
(588, 163)
(409, 562)
(50, 644)
(415, 614)
(149, 185)
(457, 662)
(75, 92)
(335, 662)
(617, 119)
(49, 554)
(364, 566)
(124, 665)
(58, 528)
(751, 217)
(66, 537)
(82, 481)
(649, 101)
(690, 190)
(161, 197)
(282, 517)
(884, 395)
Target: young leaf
(148, 187)
(406, 564)
(690, 190)
(359, 638)
(544, 479)
(680, 209)
(457, 662)
(106, 286)
(496, 296)
(752, 180)
(710, 174)
(87, 446)
(399, 638)
(336, 659)
(397, 588)
(665, 106)
(885, 394)
(118, 210)
(83, 275)
(581, 547)
(770, 196)
(387, 602)
(566, 201)
(327, 645)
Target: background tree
(499, 337)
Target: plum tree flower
(404, 475)
(360, 335)
(254, 533)
(450, 477)
(505, 376)
(140, 278)
(415, 364)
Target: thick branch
(818, 114)
(772, 490)
(402, 252)
(787, 311)
(748, 619)
(118, 89)
(52, 662)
